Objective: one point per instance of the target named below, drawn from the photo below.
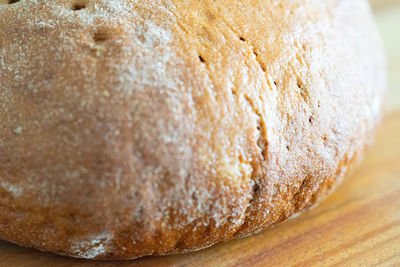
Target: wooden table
(359, 224)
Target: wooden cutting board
(359, 224)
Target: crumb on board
(18, 130)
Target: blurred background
(387, 13)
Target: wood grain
(359, 224)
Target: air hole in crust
(242, 39)
(100, 37)
(78, 6)
(10, 2)
(202, 59)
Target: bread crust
(132, 128)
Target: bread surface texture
(132, 128)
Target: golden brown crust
(130, 128)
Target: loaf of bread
(131, 128)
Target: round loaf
(131, 128)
